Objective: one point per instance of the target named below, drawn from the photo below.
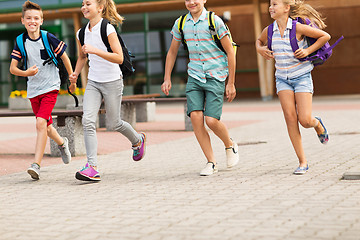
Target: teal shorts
(207, 97)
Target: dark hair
(28, 5)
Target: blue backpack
(20, 40)
(319, 56)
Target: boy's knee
(41, 124)
(195, 115)
(211, 122)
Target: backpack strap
(293, 40)
(213, 32)
(181, 24)
(103, 34)
(49, 50)
(270, 32)
(20, 43)
(105, 38)
(295, 46)
(82, 35)
(323, 53)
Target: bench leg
(145, 112)
(188, 124)
(73, 130)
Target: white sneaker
(209, 169)
(232, 155)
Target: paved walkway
(163, 197)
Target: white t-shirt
(100, 70)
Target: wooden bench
(141, 108)
(68, 122)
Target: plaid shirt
(206, 59)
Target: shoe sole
(33, 174)
(233, 165)
(144, 148)
(209, 174)
(81, 177)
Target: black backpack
(126, 67)
(64, 76)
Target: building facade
(146, 31)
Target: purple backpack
(319, 56)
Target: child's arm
(67, 63)
(305, 30)
(261, 46)
(14, 69)
(79, 65)
(115, 57)
(169, 65)
(230, 90)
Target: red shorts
(43, 105)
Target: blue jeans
(111, 92)
(302, 83)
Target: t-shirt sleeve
(77, 34)
(220, 27)
(58, 46)
(110, 29)
(16, 54)
(175, 31)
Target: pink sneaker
(88, 173)
(139, 151)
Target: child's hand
(230, 92)
(265, 52)
(32, 71)
(72, 87)
(73, 78)
(88, 49)
(166, 86)
(301, 53)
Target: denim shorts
(207, 97)
(302, 83)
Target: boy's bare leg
(219, 130)
(41, 138)
(54, 135)
(202, 135)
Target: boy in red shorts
(43, 82)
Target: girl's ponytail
(110, 12)
(304, 11)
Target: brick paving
(163, 196)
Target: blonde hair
(110, 13)
(299, 9)
(31, 6)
